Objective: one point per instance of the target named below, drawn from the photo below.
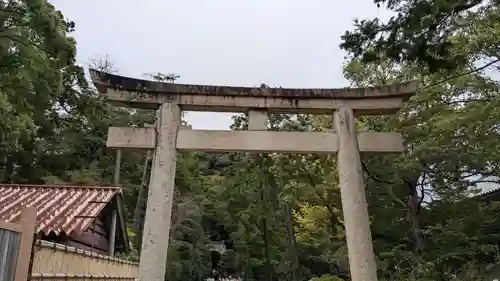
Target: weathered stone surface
(156, 231)
(126, 137)
(192, 102)
(103, 81)
(352, 192)
(254, 141)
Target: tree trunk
(278, 186)
(414, 202)
(269, 267)
(292, 244)
(140, 205)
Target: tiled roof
(60, 208)
(490, 192)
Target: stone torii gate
(169, 136)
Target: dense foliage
(280, 215)
(427, 32)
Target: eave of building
(61, 209)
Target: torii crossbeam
(169, 100)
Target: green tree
(36, 72)
(422, 195)
(427, 32)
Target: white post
(112, 234)
(161, 191)
(357, 222)
(118, 161)
(257, 120)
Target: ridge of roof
(58, 186)
(490, 192)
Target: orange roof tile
(60, 208)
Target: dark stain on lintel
(105, 80)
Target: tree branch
(390, 192)
(477, 69)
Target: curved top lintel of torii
(104, 81)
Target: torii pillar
(168, 136)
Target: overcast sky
(288, 43)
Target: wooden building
(85, 217)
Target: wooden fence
(51, 261)
(16, 244)
(57, 262)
